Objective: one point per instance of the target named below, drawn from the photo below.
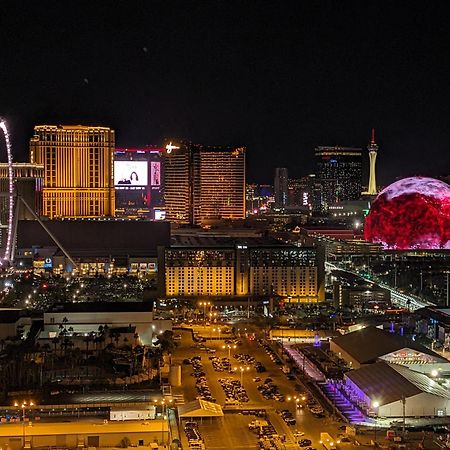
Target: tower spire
(373, 150)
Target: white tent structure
(199, 409)
(391, 390)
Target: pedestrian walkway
(350, 411)
(304, 363)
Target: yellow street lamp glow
(375, 404)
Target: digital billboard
(130, 173)
(155, 173)
(139, 182)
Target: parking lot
(232, 431)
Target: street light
(375, 405)
(164, 407)
(296, 399)
(214, 330)
(242, 369)
(204, 304)
(229, 347)
(24, 405)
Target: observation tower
(373, 150)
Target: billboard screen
(155, 173)
(130, 173)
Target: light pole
(165, 416)
(204, 304)
(375, 405)
(242, 369)
(229, 347)
(214, 330)
(448, 296)
(23, 405)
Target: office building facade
(281, 187)
(78, 170)
(204, 184)
(339, 171)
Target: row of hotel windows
(76, 136)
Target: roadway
(398, 298)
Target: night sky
(278, 77)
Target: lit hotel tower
(78, 170)
(373, 150)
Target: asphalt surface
(232, 431)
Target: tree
(166, 342)
(136, 338)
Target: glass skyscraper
(339, 171)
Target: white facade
(420, 405)
(86, 322)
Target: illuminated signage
(160, 214)
(305, 199)
(155, 173)
(170, 147)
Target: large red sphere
(413, 213)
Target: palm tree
(55, 342)
(136, 337)
(166, 342)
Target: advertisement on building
(138, 180)
(130, 173)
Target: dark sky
(278, 77)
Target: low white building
(384, 389)
(81, 319)
(369, 345)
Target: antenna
(372, 141)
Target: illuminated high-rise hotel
(78, 170)
(281, 187)
(178, 184)
(373, 151)
(204, 184)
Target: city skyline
(281, 79)
(231, 225)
